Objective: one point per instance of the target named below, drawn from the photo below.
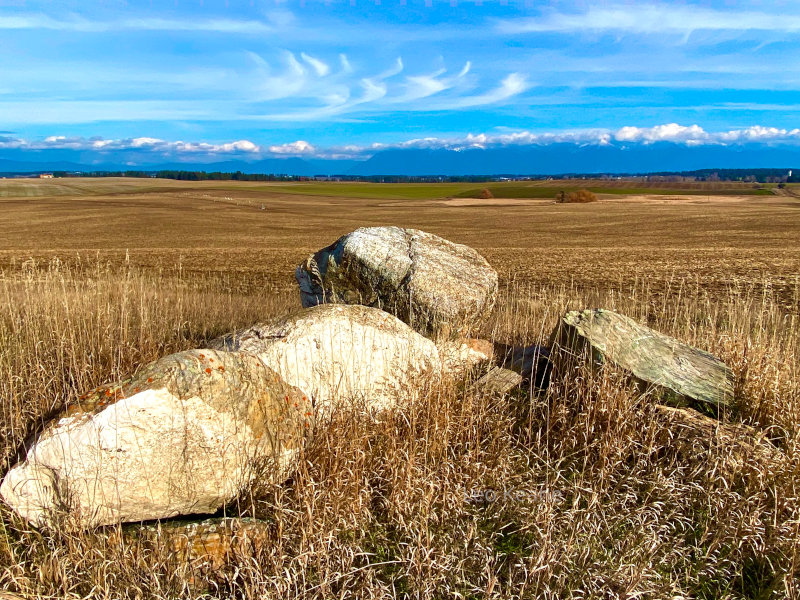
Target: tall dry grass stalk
(586, 491)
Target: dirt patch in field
(677, 199)
(495, 201)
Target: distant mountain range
(570, 158)
(550, 159)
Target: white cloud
(240, 146)
(148, 144)
(297, 148)
(671, 132)
(691, 135)
(758, 133)
(145, 141)
(696, 135)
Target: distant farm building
(45, 175)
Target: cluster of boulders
(385, 308)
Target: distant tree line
(183, 175)
(239, 176)
(744, 175)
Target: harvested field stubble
(583, 492)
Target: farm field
(253, 234)
(606, 497)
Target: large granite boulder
(339, 354)
(184, 436)
(438, 287)
(679, 373)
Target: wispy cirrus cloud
(649, 18)
(287, 86)
(80, 24)
(319, 66)
(511, 85)
(423, 86)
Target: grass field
(607, 497)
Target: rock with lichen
(184, 436)
(675, 372)
(438, 287)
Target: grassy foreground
(585, 492)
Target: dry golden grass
(583, 492)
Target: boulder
(339, 354)
(438, 287)
(184, 436)
(679, 373)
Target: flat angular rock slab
(498, 381)
(438, 287)
(341, 354)
(181, 437)
(681, 373)
(206, 543)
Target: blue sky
(343, 79)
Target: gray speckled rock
(338, 354)
(436, 286)
(184, 436)
(680, 373)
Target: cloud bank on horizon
(346, 79)
(153, 149)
